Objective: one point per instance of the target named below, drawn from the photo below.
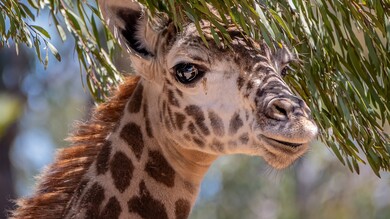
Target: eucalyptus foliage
(80, 18)
(344, 48)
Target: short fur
(59, 181)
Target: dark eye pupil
(284, 71)
(186, 72)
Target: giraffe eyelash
(188, 73)
(285, 71)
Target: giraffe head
(210, 99)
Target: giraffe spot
(121, 170)
(197, 113)
(146, 206)
(235, 124)
(182, 209)
(92, 200)
(103, 157)
(217, 145)
(244, 138)
(186, 136)
(132, 134)
(112, 209)
(180, 119)
(136, 99)
(172, 100)
(192, 128)
(249, 86)
(216, 124)
(159, 169)
(198, 142)
(240, 82)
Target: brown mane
(60, 180)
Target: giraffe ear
(131, 25)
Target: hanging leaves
(344, 47)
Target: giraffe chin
(281, 154)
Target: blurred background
(38, 108)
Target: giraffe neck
(138, 172)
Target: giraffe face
(224, 101)
(214, 100)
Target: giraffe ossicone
(145, 151)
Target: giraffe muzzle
(288, 127)
(283, 109)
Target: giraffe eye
(187, 73)
(285, 71)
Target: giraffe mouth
(280, 154)
(273, 141)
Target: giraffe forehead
(189, 47)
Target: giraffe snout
(282, 109)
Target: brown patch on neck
(112, 210)
(59, 182)
(103, 158)
(132, 134)
(159, 169)
(146, 206)
(92, 200)
(136, 100)
(182, 209)
(121, 169)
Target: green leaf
(95, 31)
(281, 23)
(54, 51)
(41, 30)
(37, 49)
(27, 11)
(33, 3)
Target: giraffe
(144, 152)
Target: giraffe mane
(60, 180)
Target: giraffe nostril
(287, 108)
(280, 110)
